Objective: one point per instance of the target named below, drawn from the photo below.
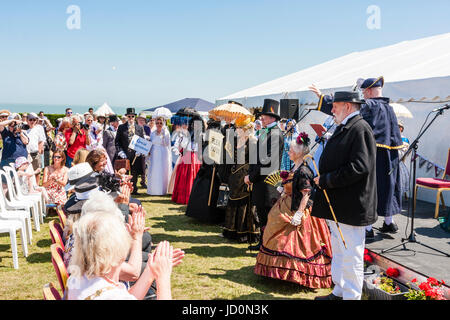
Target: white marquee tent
(105, 110)
(416, 73)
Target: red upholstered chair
(435, 184)
(58, 263)
(50, 292)
(56, 233)
(62, 217)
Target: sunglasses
(32, 120)
(131, 117)
(70, 112)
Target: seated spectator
(55, 179)
(102, 244)
(15, 141)
(26, 175)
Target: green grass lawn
(214, 268)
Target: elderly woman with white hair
(102, 243)
(296, 246)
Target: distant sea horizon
(59, 109)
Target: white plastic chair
(10, 209)
(36, 199)
(11, 227)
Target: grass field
(214, 268)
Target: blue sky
(164, 51)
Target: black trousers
(136, 171)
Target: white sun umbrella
(162, 112)
(401, 111)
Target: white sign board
(215, 146)
(140, 145)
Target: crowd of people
(295, 213)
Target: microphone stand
(413, 148)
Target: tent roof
(196, 103)
(104, 110)
(424, 58)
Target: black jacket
(348, 174)
(265, 195)
(122, 141)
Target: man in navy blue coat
(383, 121)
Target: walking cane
(328, 199)
(211, 187)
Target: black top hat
(130, 111)
(271, 108)
(348, 96)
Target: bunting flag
(438, 170)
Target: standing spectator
(77, 138)
(125, 134)
(4, 114)
(91, 111)
(151, 124)
(124, 119)
(48, 144)
(109, 136)
(60, 138)
(95, 133)
(35, 147)
(15, 141)
(69, 113)
(101, 121)
(55, 179)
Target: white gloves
(280, 189)
(297, 219)
(122, 154)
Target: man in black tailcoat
(268, 160)
(383, 121)
(348, 174)
(124, 135)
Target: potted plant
(383, 286)
(428, 290)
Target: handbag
(122, 163)
(224, 195)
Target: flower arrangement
(428, 290)
(303, 138)
(386, 284)
(367, 256)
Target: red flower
(392, 272)
(284, 175)
(368, 258)
(442, 281)
(425, 286)
(414, 280)
(366, 251)
(433, 281)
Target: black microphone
(445, 107)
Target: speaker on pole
(289, 109)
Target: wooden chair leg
(436, 211)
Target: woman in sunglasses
(55, 178)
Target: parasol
(401, 111)
(230, 112)
(162, 112)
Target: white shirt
(351, 115)
(36, 135)
(82, 288)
